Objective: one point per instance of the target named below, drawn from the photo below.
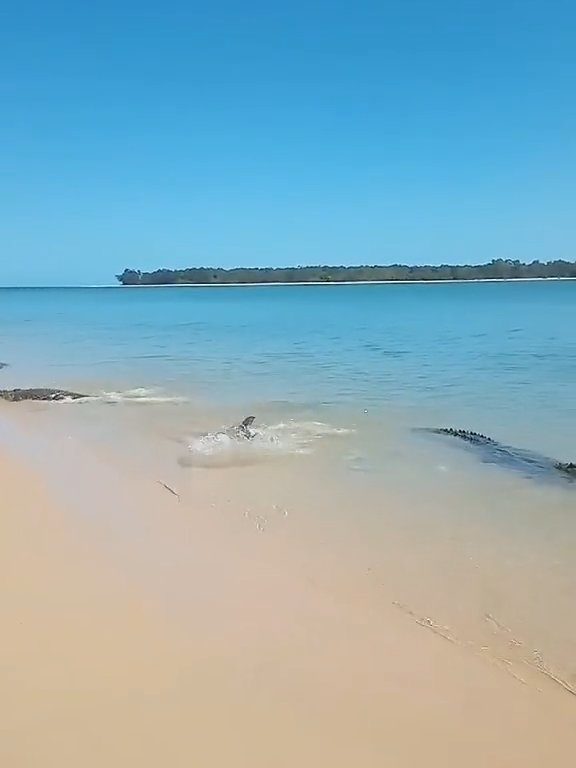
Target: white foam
(311, 429)
(222, 448)
(138, 395)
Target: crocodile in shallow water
(43, 394)
(528, 463)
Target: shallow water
(468, 348)
(340, 377)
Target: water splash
(223, 448)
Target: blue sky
(174, 134)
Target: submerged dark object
(43, 394)
(530, 464)
(3, 365)
(470, 437)
(569, 467)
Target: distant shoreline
(288, 283)
(341, 282)
(497, 269)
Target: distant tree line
(498, 269)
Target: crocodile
(530, 464)
(43, 394)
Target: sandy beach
(139, 629)
(317, 520)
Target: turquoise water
(340, 377)
(490, 356)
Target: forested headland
(498, 269)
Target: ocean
(341, 380)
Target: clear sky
(148, 134)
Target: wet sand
(139, 629)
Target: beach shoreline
(141, 627)
(344, 282)
(354, 282)
(304, 282)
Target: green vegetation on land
(499, 269)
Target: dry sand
(194, 640)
